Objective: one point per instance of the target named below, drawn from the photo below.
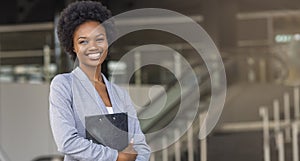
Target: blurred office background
(258, 40)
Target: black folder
(109, 130)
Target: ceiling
(41, 11)
(27, 11)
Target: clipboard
(109, 130)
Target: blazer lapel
(87, 90)
(115, 101)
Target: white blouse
(110, 110)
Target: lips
(94, 56)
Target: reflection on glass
(27, 73)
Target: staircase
(249, 129)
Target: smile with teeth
(94, 55)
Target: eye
(83, 42)
(100, 39)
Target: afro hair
(77, 13)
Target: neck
(93, 73)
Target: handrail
(171, 84)
(173, 103)
(204, 84)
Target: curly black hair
(77, 13)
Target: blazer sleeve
(64, 128)
(140, 144)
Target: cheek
(105, 46)
(79, 49)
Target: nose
(93, 46)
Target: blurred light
(6, 78)
(117, 67)
(297, 37)
(284, 38)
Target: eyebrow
(101, 34)
(83, 37)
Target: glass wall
(27, 53)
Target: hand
(128, 154)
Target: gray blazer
(72, 97)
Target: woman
(85, 91)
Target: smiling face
(90, 44)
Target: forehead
(89, 28)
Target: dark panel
(23, 60)
(287, 25)
(8, 12)
(41, 11)
(27, 40)
(262, 5)
(252, 29)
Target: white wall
(24, 119)
(24, 125)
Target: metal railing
(285, 131)
(186, 146)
